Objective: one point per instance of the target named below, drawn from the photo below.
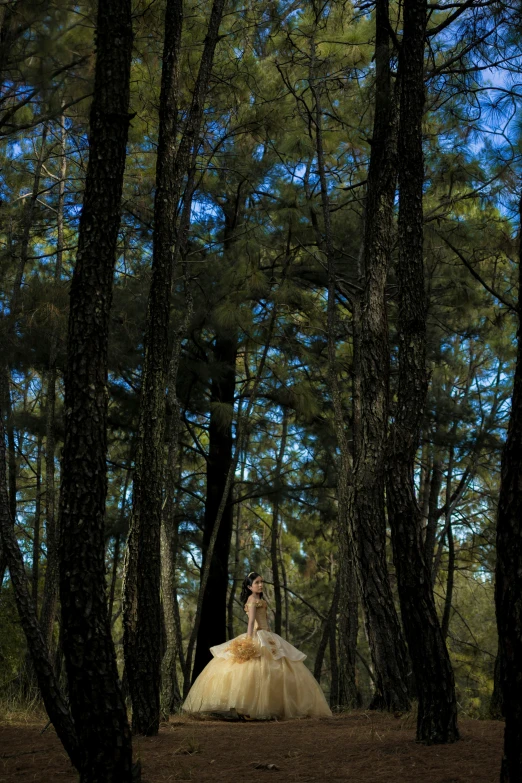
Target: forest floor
(360, 747)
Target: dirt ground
(361, 747)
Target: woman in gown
(258, 673)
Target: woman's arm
(251, 618)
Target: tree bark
(142, 616)
(96, 702)
(35, 568)
(325, 636)
(170, 691)
(212, 629)
(366, 534)
(449, 582)
(348, 625)
(236, 574)
(433, 513)
(437, 714)
(274, 530)
(508, 587)
(496, 707)
(334, 660)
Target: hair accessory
(251, 574)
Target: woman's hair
(248, 582)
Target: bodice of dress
(261, 622)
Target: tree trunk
(236, 574)
(348, 625)
(52, 576)
(212, 629)
(274, 531)
(170, 691)
(449, 582)
(96, 702)
(53, 699)
(365, 496)
(334, 661)
(433, 513)
(142, 619)
(35, 569)
(325, 636)
(51, 584)
(508, 587)
(9, 337)
(437, 714)
(496, 708)
(250, 393)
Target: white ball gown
(262, 678)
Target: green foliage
(255, 270)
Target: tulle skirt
(274, 684)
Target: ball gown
(262, 678)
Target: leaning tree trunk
(53, 699)
(142, 620)
(508, 587)
(97, 705)
(437, 714)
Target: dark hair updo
(248, 582)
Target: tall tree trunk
(508, 586)
(52, 576)
(53, 699)
(366, 536)
(97, 705)
(348, 625)
(250, 393)
(274, 531)
(142, 619)
(170, 691)
(35, 568)
(51, 584)
(437, 714)
(212, 629)
(213, 625)
(366, 497)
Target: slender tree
(371, 367)
(508, 585)
(212, 629)
(52, 696)
(143, 577)
(97, 705)
(437, 715)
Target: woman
(258, 673)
